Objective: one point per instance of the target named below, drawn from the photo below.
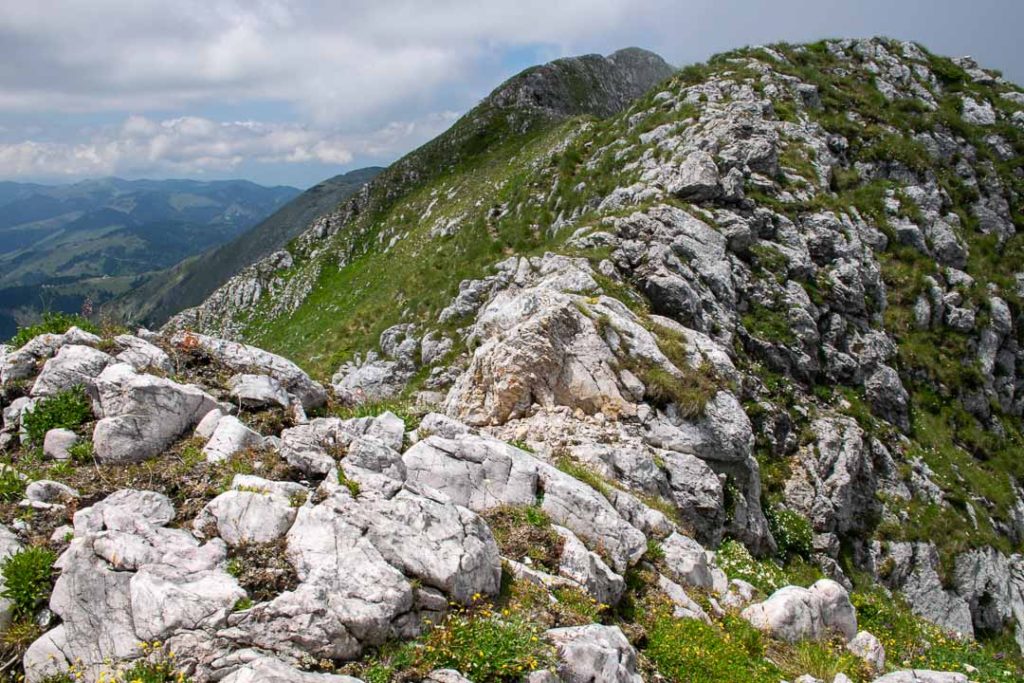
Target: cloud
(196, 146)
(333, 61)
(337, 82)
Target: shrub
(154, 667)
(351, 484)
(791, 530)
(262, 570)
(53, 323)
(27, 578)
(580, 603)
(12, 486)
(160, 671)
(81, 453)
(66, 409)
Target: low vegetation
(27, 579)
(486, 644)
(52, 323)
(66, 409)
(525, 534)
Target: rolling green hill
(159, 295)
(112, 229)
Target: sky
(295, 92)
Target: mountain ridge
(186, 284)
(727, 385)
(839, 133)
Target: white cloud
(333, 61)
(191, 145)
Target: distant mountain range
(158, 296)
(60, 244)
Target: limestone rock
(912, 568)
(589, 570)
(73, 365)
(271, 670)
(869, 649)
(683, 606)
(21, 363)
(250, 515)
(142, 355)
(258, 391)
(230, 437)
(697, 493)
(57, 442)
(687, 561)
(922, 676)
(242, 358)
(483, 473)
(594, 654)
(793, 613)
(697, 178)
(143, 414)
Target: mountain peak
(587, 84)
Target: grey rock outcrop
(793, 613)
(141, 414)
(258, 391)
(586, 568)
(912, 568)
(142, 355)
(594, 654)
(229, 437)
(241, 358)
(151, 580)
(74, 365)
(922, 676)
(483, 473)
(57, 442)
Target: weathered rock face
(258, 391)
(866, 646)
(21, 363)
(383, 376)
(141, 415)
(483, 473)
(722, 438)
(757, 283)
(73, 365)
(355, 560)
(540, 349)
(150, 580)
(993, 586)
(270, 670)
(586, 568)
(922, 676)
(228, 438)
(912, 568)
(594, 653)
(315, 447)
(838, 477)
(555, 88)
(793, 613)
(242, 357)
(142, 355)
